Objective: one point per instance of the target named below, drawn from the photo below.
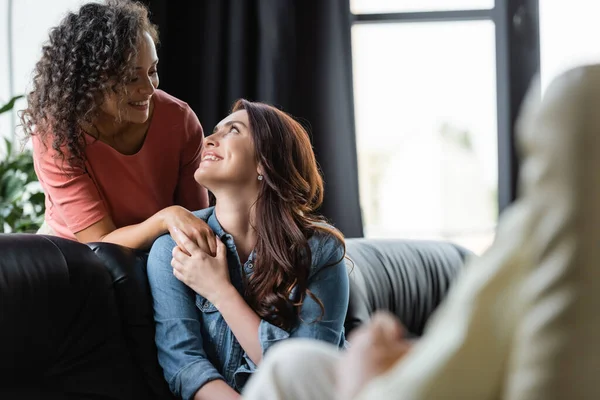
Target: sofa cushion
(409, 278)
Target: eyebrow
(153, 64)
(229, 124)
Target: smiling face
(229, 156)
(134, 104)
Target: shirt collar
(216, 227)
(214, 224)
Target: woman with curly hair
(114, 155)
(279, 270)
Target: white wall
(32, 20)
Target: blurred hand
(176, 217)
(374, 348)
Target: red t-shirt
(128, 188)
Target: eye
(153, 73)
(234, 129)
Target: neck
(107, 126)
(236, 214)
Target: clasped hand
(206, 275)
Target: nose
(211, 140)
(147, 87)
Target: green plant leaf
(22, 203)
(14, 189)
(37, 198)
(8, 145)
(6, 177)
(9, 106)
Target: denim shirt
(195, 344)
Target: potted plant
(21, 198)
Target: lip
(210, 154)
(142, 107)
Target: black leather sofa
(76, 320)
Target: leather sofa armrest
(127, 268)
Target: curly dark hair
(89, 52)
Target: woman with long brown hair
(279, 270)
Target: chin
(200, 177)
(138, 120)
(208, 179)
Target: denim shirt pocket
(204, 305)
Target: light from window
(425, 104)
(569, 33)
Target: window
(426, 130)
(434, 93)
(569, 33)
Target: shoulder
(39, 146)
(48, 160)
(326, 248)
(163, 245)
(42, 143)
(169, 103)
(177, 114)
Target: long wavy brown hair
(286, 215)
(91, 51)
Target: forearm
(216, 389)
(138, 236)
(243, 322)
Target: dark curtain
(295, 54)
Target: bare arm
(142, 235)
(216, 389)
(138, 236)
(243, 322)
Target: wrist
(164, 217)
(224, 296)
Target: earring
(260, 177)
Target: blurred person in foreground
(522, 321)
